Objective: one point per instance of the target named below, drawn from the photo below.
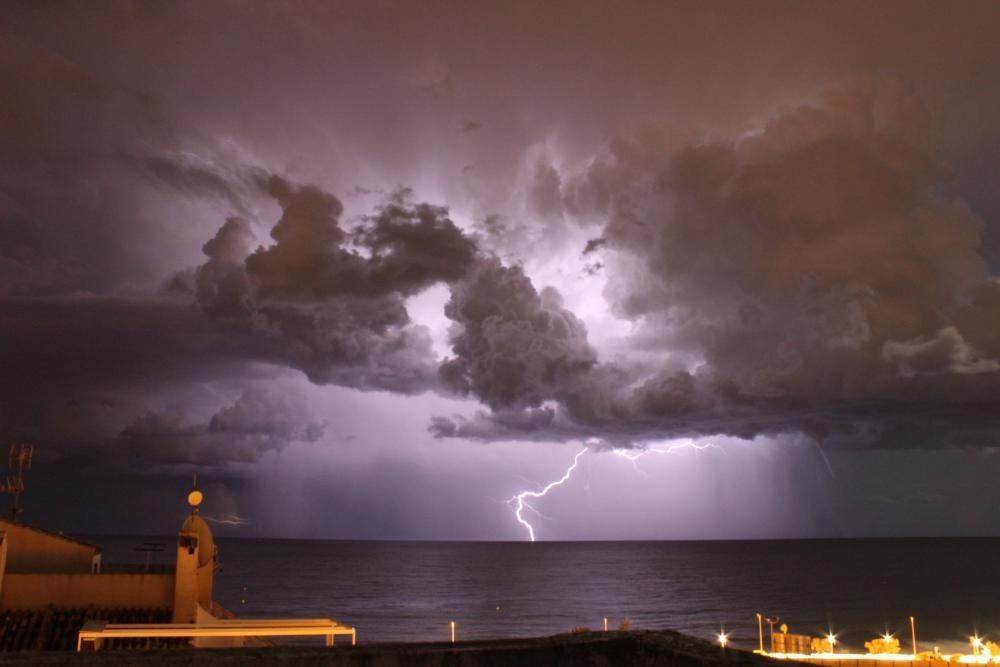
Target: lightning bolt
(519, 502)
(227, 519)
(829, 468)
(634, 455)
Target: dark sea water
(396, 591)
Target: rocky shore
(594, 649)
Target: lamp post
(452, 623)
(771, 620)
(913, 633)
(832, 640)
(760, 631)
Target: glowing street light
(977, 644)
(723, 639)
(760, 631)
(832, 640)
(913, 631)
(452, 623)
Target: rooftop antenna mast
(18, 457)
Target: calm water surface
(395, 591)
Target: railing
(95, 631)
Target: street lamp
(760, 631)
(771, 620)
(723, 640)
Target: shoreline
(632, 649)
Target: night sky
(370, 269)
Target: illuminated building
(51, 584)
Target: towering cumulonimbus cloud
(327, 301)
(514, 347)
(812, 276)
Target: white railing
(95, 631)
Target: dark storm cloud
(513, 346)
(79, 369)
(237, 434)
(320, 299)
(257, 414)
(193, 175)
(795, 279)
(788, 261)
(945, 352)
(414, 246)
(594, 244)
(524, 424)
(66, 342)
(409, 247)
(333, 310)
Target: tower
(196, 556)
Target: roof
(49, 533)
(56, 628)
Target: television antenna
(18, 457)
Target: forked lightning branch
(520, 501)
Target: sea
(412, 591)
